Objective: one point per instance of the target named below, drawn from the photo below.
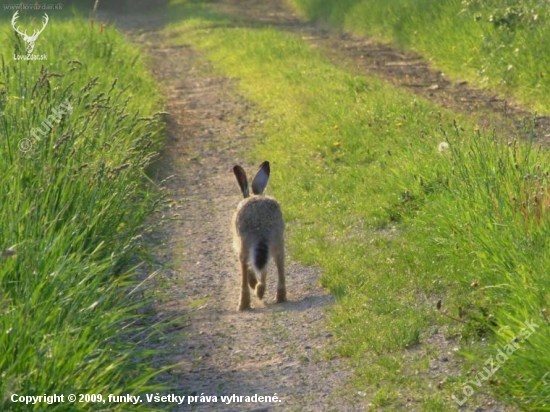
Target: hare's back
(259, 215)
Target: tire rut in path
(405, 69)
(274, 348)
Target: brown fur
(259, 219)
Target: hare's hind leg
(260, 287)
(245, 292)
(252, 281)
(278, 252)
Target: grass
(396, 224)
(498, 44)
(72, 213)
(500, 216)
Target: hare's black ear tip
(265, 166)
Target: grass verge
(397, 220)
(76, 134)
(496, 44)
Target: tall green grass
(395, 223)
(72, 209)
(499, 44)
(496, 211)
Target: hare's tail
(259, 255)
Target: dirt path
(272, 349)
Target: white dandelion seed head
(442, 147)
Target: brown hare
(258, 234)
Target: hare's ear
(241, 180)
(261, 179)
